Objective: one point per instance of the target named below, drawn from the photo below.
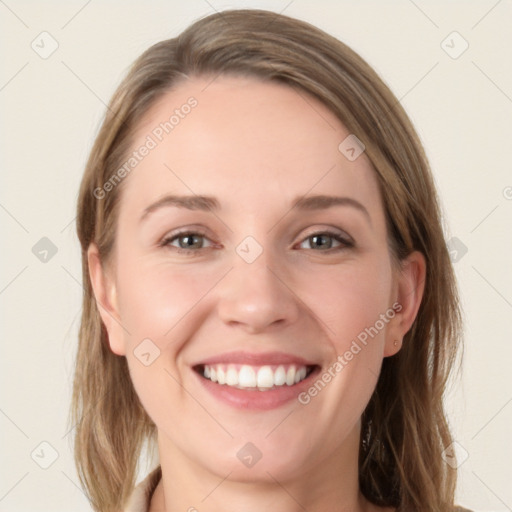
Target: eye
(326, 240)
(189, 241)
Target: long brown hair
(404, 428)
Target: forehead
(237, 137)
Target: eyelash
(166, 242)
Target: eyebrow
(209, 203)
(203, 203)
(321, 202)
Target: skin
(256, 147)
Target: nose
(256, 297)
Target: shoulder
(141, 496)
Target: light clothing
(141, 496)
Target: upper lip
(257, 359)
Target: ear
(105, 293)
(409, 293)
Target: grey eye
(190, 241)
(322, 241)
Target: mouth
(256, 381)
(252, 378)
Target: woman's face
(252, 247)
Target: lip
(255, 399)
(256, 359)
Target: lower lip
(255, 399)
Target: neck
(331, 485)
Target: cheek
(349, 299)
(155, 299)
(161, 307)
(350, 303)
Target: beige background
(50, 109)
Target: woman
(269, 296)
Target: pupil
(189, 241)
(322, 241)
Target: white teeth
(261, 377)
(300, 375)
(246, 377)
(221, 376)
(231, 376)
(265, 377)
(279, 376)
(290, 376)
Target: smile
(255, 381)
(251, 377)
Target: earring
(395, 343)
